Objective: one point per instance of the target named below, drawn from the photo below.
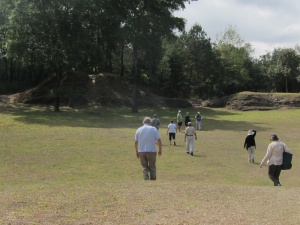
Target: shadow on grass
(123, 118)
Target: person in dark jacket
(187, 119)
(250, 145)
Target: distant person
(198, 118)
(190, 132)
(172, 130)
(145, 147)
(273, 158)
(155, 122)
(250, 145)
(179, 120)
(187, 119)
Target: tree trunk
(57, 94)
(122, 59)
(134, 108)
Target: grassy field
(79, 167)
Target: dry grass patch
(79, 167)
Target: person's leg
(170, 137)
(277, 174)
(192, 145)
(144, 163)
(187, 145)
(174, 138)
(249, 154)
(273, 175)
(152, 164)
(252, 154)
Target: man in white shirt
(190, 132)
(273, 158)
(145, 147)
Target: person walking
(155, 122)
(250, 145)
(187, 119)
(145, 146)
(198, 118)
(273, 158)
(179, 120)
(190, 132)
(172, 130)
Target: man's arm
(136, 149)
(159, 146)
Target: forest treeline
(141, 41)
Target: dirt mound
(262, 101)
(83, 90)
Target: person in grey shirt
(155, 122)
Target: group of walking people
(187, 119)
(273, 157)
(147, 137)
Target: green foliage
(137, 40)
(235, 55)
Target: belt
(189, 135)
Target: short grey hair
(147, 120)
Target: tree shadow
(122, 117)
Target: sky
(265, 24)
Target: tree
(284, 69)
(199, 62)
(235, 54)
(53, 34)
(144, 21)
(170, 71)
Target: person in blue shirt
(198, 118)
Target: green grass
(79, 167)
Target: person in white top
(146, 138)
(190, 132)
(273, 158)
(172, 130)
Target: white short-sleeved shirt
(172, 128)
(146, 137)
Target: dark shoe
(192, 153)
(187, 152)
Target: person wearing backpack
(273, 158)
(198, 121)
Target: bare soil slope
(262, 101)
(112, 91)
